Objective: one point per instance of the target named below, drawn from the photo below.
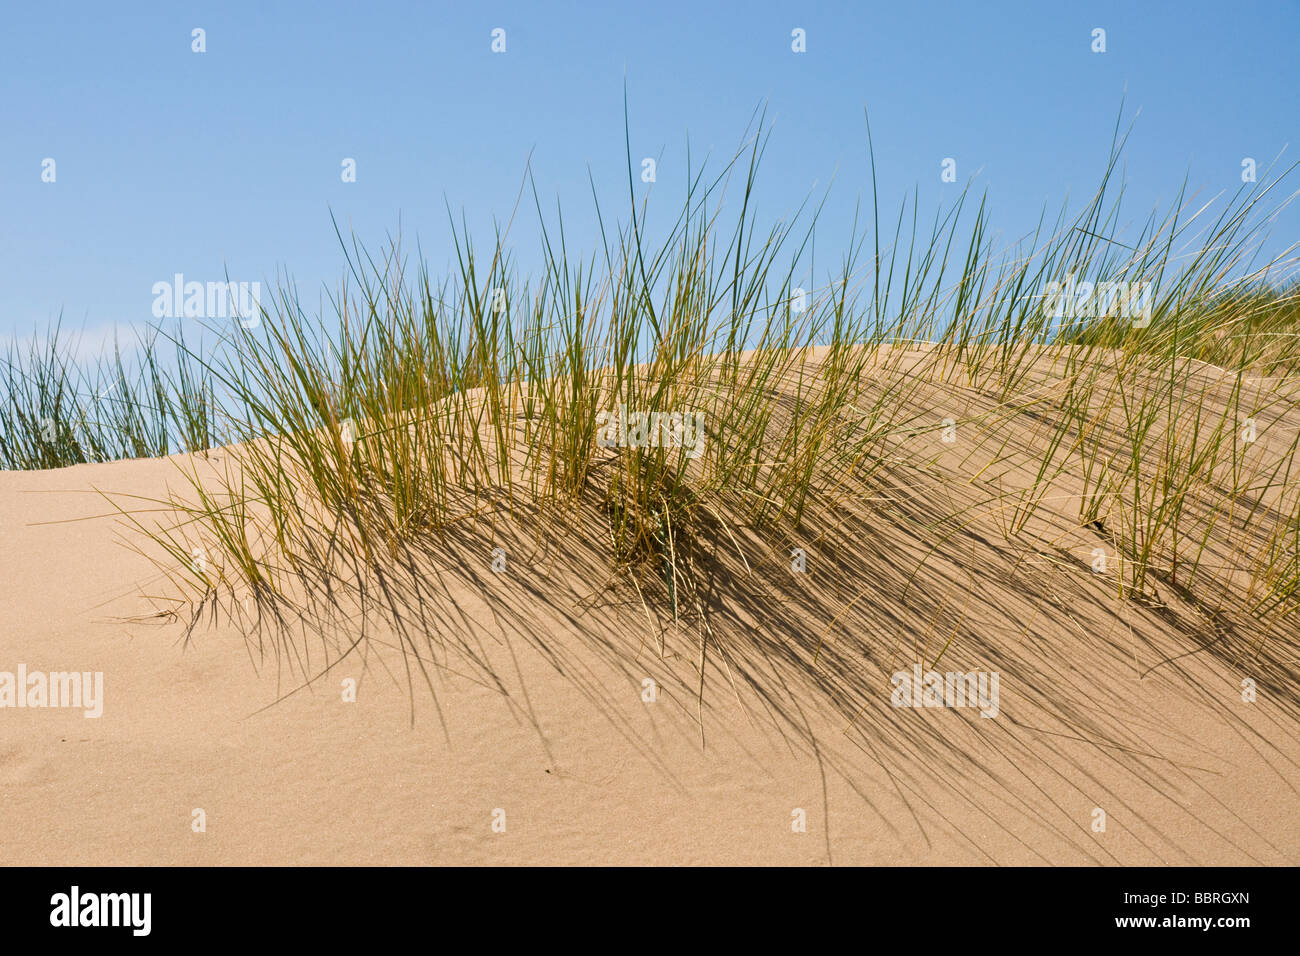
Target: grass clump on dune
(361, 442)
(56, 410)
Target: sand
(537, 745)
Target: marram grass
(356, 441)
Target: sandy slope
(539, 712)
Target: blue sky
(172, 161)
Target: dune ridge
(534, 701)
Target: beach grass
(355, 440)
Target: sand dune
(532, 741)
